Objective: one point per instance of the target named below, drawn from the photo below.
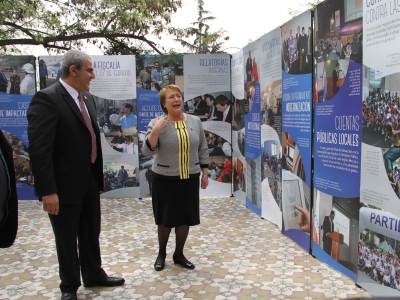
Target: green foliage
(204, 40)
(309, 5)
(61, 25)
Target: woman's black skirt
(176, 202)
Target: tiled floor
(237, 255)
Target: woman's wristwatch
(205, 176)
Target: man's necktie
(89, 126)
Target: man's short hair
(128, 105)
(73, 58)
(222, 100)
(332, 212)
(209, 96)
(165, 65)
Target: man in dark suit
(328, 227)
(335, 77)
(8, 194)
(298, 63)
(249, 67)
(122, 177)
(224, 106)
(66, 158)
(200, 106)
(3, 80)
(304, 49)
(213, 114)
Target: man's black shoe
(68, 296)
(107, 281)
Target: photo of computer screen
(292, 196)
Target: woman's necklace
(182, 116)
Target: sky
(247, 21)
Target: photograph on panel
(271, 106)
(296, 46)
(253, 190)
(378, 253)
(271, 167)
(118, 121)
(336, 231)
(210, 107)
(338, 31)
(18, 75)
(391, 161)
(153, 72)
(220, 168)
(380, 109)
(118, 176)
(21, 159)
(217, 145)
(238, 114)
(239, 175)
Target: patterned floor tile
(237, 255)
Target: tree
(309, 5)
(62, 24)
(204, 40)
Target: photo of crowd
(17, 75)
(380, 110)
(21, 159)
(378, 258)
(117, 176)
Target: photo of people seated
(220, 169)
(210, 107)
(217, 145)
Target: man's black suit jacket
(60, 144)
(229, 115)
(9, 205)
(3, 83)
(326, 226)
(201, 108)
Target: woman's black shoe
(160, 263)
(183, 262)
